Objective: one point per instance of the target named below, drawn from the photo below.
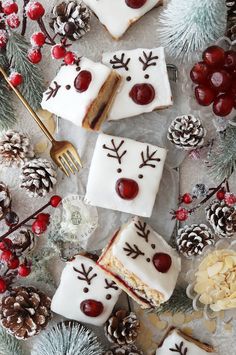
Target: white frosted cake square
(145, 86)
(82, 93)
(142, 263)
(125, 175)
(85, 293)
(118, 15)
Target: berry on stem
(230, 199)
(3, 285)
(181, 214)
(39, 227)
(70, 58)
(5, 244)
(45, 217)
(38, 39)
(220, 195)
(13, 21)
(24, 270)
(6, 255)
(35, 10)
(187, 198)
(58, 51)
(15, 79)
(55, 201)
(9, 7)
(13, 263)
(34, 55)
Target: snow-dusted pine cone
(231, 19)
(222, 218)
(25, 312)
(38, 177)
(124, 350)
(24, 241)
(191, 240)
(186, 132)
(5, 199)
(71, 19)
(15, 148)
(122, 328)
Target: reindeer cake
(142, 263)
(82, 93)
(125, 175)
(145, 86)
(85, 293)
(118, 15)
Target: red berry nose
(142, 94)
(91, 308)
(127, 188)
(82, 81)
(135, 4)
(162, 262)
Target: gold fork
(63, 153)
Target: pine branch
(32, 87)
(8, 344)
(179, 302)
(222, 158)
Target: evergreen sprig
(9, 345)
(179, 302)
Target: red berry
(223, 105)
(142, 94)
(135, 4)
(181, 214)
(13, 263)
(230, 199)
(70, 58)
(187, 198)
(220, 195)
(34, 55)
(38, 39)
(220, 80)
(58, 51)
(82, 81)
(230, 60)
(199, 73)
(3, 39)
(11, 219)
(127, 189)
(39, 227)
(204, 95)
(214, 56)
(45, 217)
(35, 10)
(16, 79)
(13, 21)
(55, 201)
(3, 285)
(5, 244)
(9, 7)
(6, 255)
(24, 270)
(162, 262)
(91, 308)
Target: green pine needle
(8, 344)
(32, 87)
(179, 302)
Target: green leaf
(8, 344)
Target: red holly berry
(70, 58)
(220, 195)
(127, 189)
(187, 198)
(13, 263)
(34, 55)
(230, 199)
(91, 308)
(35, 10)
(45, 217)
(9, 7)
(230, 60)
(142, 94)
(3, 285)
(16, 79)
(11, 219)
(223, 105)
(3, 38)
(6, 255)
(199, 73)
(204, 95)
(82, 81)
(39, 227)
(13, 21)
(24, 270)
(55, 201)
(38, 39)
(58, 51)
(162, 262)
(220, 80)
(214, 56)
(135, 4)
(181, 214)
(5, 244)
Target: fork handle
(28, 107)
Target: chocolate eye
(140, 176)
(119, 171)
(146, 76)
(108, 297)
(86, 290)
(128, 78)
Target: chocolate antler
(119, 62)
(147, 61)
(134, 251)
(143, 231)
(146, 161)
(115, 149)
(85, 274)
(110, 284)
(180, 349)
(52, 92)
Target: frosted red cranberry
(9, 7)
(13, 21)
(3, 38)
(83, 80)
(220, 195)
(5, 244)
(142, 94)
(6, 255)
(223, 105)
(45, 217)
(39, 227)
(13, 263)
(58, 51)
(16, 79)
(220, 80)
(127, 189)
(135, 4)
(24, 270)
(35, 10)
(91, 308)
(70, 58)
(199, 73)
(204, 95)
(162, 262)
(3, 285)
(38, 39)
(55, 201)
(187, 198)
(181, 214)
(230, 60)
(214, 56)
(34, 55)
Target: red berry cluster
(215, 77)
(228, 197)
(8, 18)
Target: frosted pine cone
(71, 19)
(15, 148)
(24, 242)
(124, 350)
(5, 200)
(25, 312)
(222, 218)
(231, 19)
(122, 328)
(191, 240)
(186, 132)
(38, 177)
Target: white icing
(103, 176)
(175, 338)
(71, 104)
(70, 294)
(123, 105)
(116, 16)
(146, 271)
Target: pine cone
(191, 240)
(5, 200)
(24, 242)
(122, 328)
(124, 350)
(38, 177)
(15, 148)
(186, 132)
(25, 312)
(231, 19)
(71, 19)
(222, 218)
